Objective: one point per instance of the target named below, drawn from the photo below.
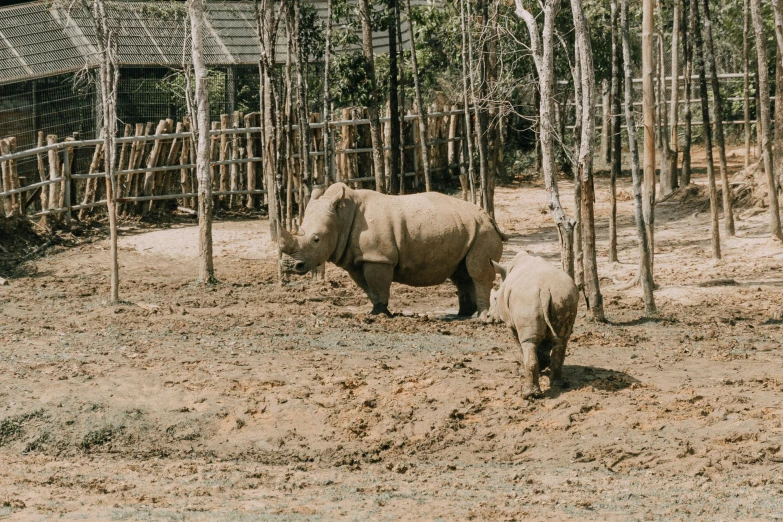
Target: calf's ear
(338, 198)
(500, 269)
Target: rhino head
(317, 237)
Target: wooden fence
(156, 164)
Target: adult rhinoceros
(416, 240)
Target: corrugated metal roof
(42, 38)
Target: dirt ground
(255, 401)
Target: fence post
(54, 171)
(332, 165)
(6, 180)
(67, 186)
(250, 147)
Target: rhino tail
(546, 304)
(503, 237)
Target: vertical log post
(250, 121)
(152, 162)
(8, 201)
(89, 187)
(224, 153)
(122, 181)
(67, 157)
(184, 173)
(54, 172)
(42, 172)
(234, 170)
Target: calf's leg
(378, 278)
(528, 339)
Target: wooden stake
(234, 171)
(8, 201)
(89, 187)
(224, 153)
(54, 172)
(184, 173)
(250, 121)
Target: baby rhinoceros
(538, 302)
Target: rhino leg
(556, 363)
(528, 340)
(466, 291)
(378, 278)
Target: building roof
(46, 38)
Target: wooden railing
(147, 162)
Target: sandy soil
(254, 401)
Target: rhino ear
(500, 269)
(338, 198)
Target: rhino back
(530, 277)
(425, 236)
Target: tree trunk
(201, 131)
(648, 108)
(267, 22)
(667, 174)
(605, 154)
(705, 115)
(616, 160)
(717, 114)
(466, 89)
(401, 94)
(373, 105)
(778, 147)
(746, 79)
(422, 110)
(394, 105)
(327, 114)
(300, 61)
(543, 54)
(109, 77)
(481, 134)
(595, 300)
(674, 107)
(687, 36)
(579, 258)
(645, 254)
(763, 116)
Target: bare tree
(542, 48)
(674, 106)
(300, 61)
(763, 116)
(422, 116)
(745, 78)
(480, 127)
(267, 23)
(585, 161)
(466, 89)
(394, 102)
(687, 31)
(373, 104)
(645, 253)
(109, 78)
(717, 114)
(201, 133)
(648, 109)
(616, 160)
(705, 115)
(327, 114)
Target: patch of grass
(37, 443)
(101, 436)
(12, 428)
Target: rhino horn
(286, 242)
